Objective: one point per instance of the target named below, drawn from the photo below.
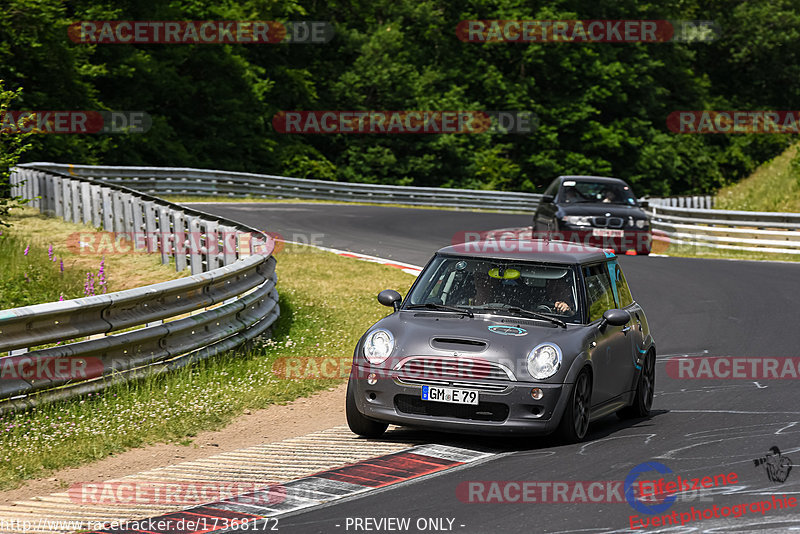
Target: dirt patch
(276, 423)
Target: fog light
(372, 379)
(537, 393)
(630, 253)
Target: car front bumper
(636, 240)
(506, 410)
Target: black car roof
(583, 178)
(546, 251)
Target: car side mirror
(615, 318)
(548, 198)
(390, 297)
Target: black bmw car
(593, 210)
(541, 337)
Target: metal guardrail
(696, 201)
(202, 182)
(728, 230)
(229, 299)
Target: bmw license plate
(454, 396)
(605, 232)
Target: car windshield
(498, 286)
(573, 192)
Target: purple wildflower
(62, 266)
(88, 286)
(50, 252)
(61, 297)
(26, 250)
(101, 274)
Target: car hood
(500, 339)
(601, 209)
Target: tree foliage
(602, 108)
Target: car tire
(357, 422)
(574, 425)
(643, 396)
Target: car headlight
(378, 346)
(641, 223)
(577, 220)
(544, 361)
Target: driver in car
(486, 288)
(559, 293)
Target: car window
(573, 191)
(480, 283)
(598, 290)
(552, 189)
(624, 296)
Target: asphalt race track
(698, 428)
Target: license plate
(605, 232)
(454, 396)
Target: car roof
(538, 250)
(599, 179)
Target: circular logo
(508, 330)
(630, 494)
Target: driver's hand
(562, 307)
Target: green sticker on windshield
(504, 274)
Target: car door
(633, 330)
(544, 218)
(611, 351)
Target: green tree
(12, 145)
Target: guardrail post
(117, 213)
(127, 217)
(86, 201)
(195, 246)
(229, 244)
(138, 224)
(179, 240)
(150, 226)
(212, 255)
(97, 205)
(166, 237)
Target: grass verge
(326, 304)
(35, 248)
(773, 186)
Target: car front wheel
(574, 423)
(643, 398)
(356, 421)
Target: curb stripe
(319, 488)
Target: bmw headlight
(641, 223)
(577, 220)
(378, 346)
(544, 361)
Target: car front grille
(452, 368)
(488, 387)
(484, 411)
(608, 222)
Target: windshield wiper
(528, 313)
(440, 307)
